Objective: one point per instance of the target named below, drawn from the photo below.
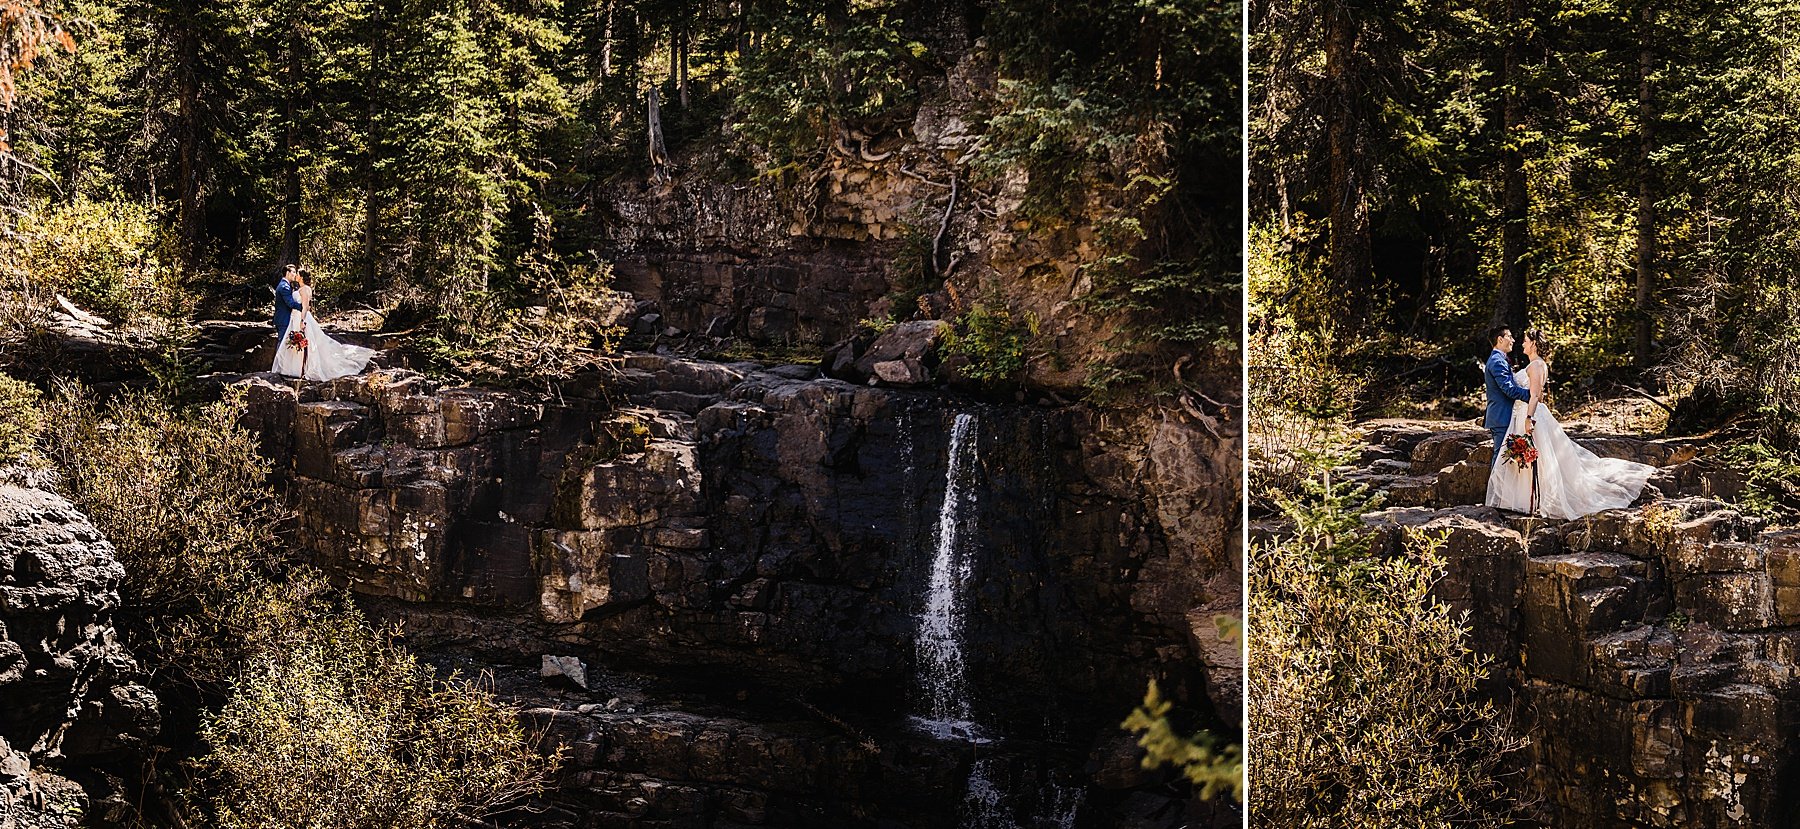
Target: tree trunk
(659, 154)
(1510, 306)
(1281, 189)
(740, 28)
(1646, 211)
(683, 65)
(1349, 213)
(606, 41)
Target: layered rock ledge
(1652, 652)
(739, 529)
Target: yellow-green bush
(994, 340)
(1210, 763)
(1364, 708)
(328, 722)
(183, 497)
(331, 725)
(20, 419)
(106, 256)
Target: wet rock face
(627, 768)
(674, 766)
(733, 526)
(1650, 651)
(68, 695)
(749, 524)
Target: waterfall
(942, 669)
(984, 804)
(988, 802)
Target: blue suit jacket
(1501, 391)
(285, 305)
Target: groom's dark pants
(1499, 442)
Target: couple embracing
(1538, 469)
(305, 350)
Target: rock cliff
(1649, 652)
(757, 538)
(71, 708)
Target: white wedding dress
(324, 357)
(1571, 481)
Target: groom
(285, 303)
(1501, 390)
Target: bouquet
(297, 340)
(1520, 450)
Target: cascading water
(942, 670)
(987, 802)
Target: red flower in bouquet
(297, 340)
(1520, 450)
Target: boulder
(1463, 482)
(903, 372)
(914, 342)
(839, 360)
(565, 668)
(1440, 450)
(70, 694)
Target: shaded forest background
(441, 161)
(1619, 173)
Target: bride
(318, 356)
(1571, 481)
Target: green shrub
(1204, 759)
(1364, 708)
(549, 324)
(105, 256)
(20, 419)
(1771, 478)
(994, 340)
(184, 498)
(875, 325)
(331, 724)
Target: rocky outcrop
(69, 696)
(747, 529)
(1439, 465)
(740, 528)
(906, 354)
(748, 520)
(1649, 652)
